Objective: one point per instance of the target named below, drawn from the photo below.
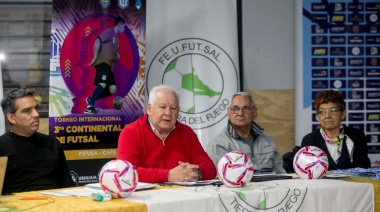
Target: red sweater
(153, 158)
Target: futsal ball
(235, 169)
(118, 177)
(118, 102)
(310, 162)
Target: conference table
(348, 194)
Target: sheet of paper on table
(89, 189)
(196, 183)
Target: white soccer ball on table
(235, 169)
(118, 177)
(310, 162)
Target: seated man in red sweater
(161, 148)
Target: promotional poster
(97, 78)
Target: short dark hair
(327, 96)
(8, 103)
(118, 20)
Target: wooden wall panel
(276, 116)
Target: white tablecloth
(280, 196)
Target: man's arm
(215, 150)
(97, 45)
(64, 176)
(200, 157)
(278, 164)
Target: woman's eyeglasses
(332, 111)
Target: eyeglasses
(236, 110)
(332, 111)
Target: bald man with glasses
(243, 134)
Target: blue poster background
(341, 51)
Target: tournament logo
(74, 177)
(123, 4)
(104, 3)
(203, 74)
(255, 198)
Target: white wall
(268, 44)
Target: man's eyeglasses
(236, 110)
(332, 111)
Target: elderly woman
(345, 147)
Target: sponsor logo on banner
(373, 127)
(357, 126)
(318, 7)
(355, 17)
(337, 84)
(373, 94)
(81, 180)
(373, 50)
(104, 3)
(355, 50)
(355, 83)
(373, 39)
(356, 116)
(372, 61)
(373, 106)
(204, 94)
(337, 18)
(373, 18)
(373, 83)
(355, 7)
(317, 29)
(337, 62)
(372, 72)
(355, 94)
(74, 177)
(373, 116)
(319, 72)
(337, 29)
(319, 61)
(355, 72)
(319, 51)
(337, 73)
(355, 61)
(337, 51)
(372, 7)
(123, 4)
(320, 84)
(319, 18)
(372, 29)
(318, 40)
(338, 40)
(355, 29)
(374, 139)
(355, 105)
(355, 40)
(337, 7)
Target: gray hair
(247, 95)
(153, 92)
(8, 103)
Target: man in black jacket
(35, 161)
